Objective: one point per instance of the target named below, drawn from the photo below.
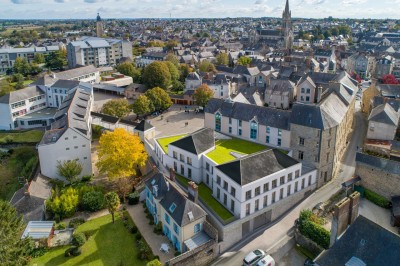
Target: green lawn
(205, 194)
(111, 244)
(21, 137)
(165, 141)
(26, 82)
(221, 154)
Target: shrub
(133, 198)
(61, 226)
(158, 228)
(86, 178)
(64, 202)
(377, 199)
(57, 218)
(138, 236)
(313, 230)
(38, 252)
(93, 201)
(78, 239)
(177, 253)
(154, 262)
(144, 250)
(73, 251)
(74, 223)
(89, 233)
(134, 229)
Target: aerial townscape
(198, 133)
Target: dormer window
(253, 129)
(172, 208)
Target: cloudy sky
(62, 9)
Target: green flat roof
(223, 148)
(167, 140)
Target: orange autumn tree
(120, 154)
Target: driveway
(154, 240)
(280, 231)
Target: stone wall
(199, 256)
(379, 180)
(307, 243)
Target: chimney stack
(193, 191)
(354, 204)
(340, 219)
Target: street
(280, 232)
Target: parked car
(309, 262)
(253, 257)
(266, 261)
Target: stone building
(99, 26)
(287, 29)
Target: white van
(266, 261)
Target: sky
(87, 9)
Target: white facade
(381, 131)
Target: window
(197, 228)
(83, 146)
(302, 90)
(301, 141)
(296, 186)
(274, 184)
(226, 185)
(166, 218)
(230, 130)
(316, 158)
(182, 170)
(218, 122)
(297, 174)
(256, 205)
(273, 196)
(268, 129)
(176, 229)
(301, 155)
(66, 138)
(207, 166)
(239, 132)
(172, 208)
(240, 123)
(279, 132)
(329, 143)
(253, 129)
(75, 147)
(232, 206)
(303, 182)
(175, 166)
(189, 160)
(266, 187)
(257, 191)
(265, 200)
(308, 91)
(307, 98)
(289, 188)
(281, 194)
(247, 208)
(233, 191)
(218, 193)
(248, 194)
(67, 149)
(230, 120)
(282, 180)
(218, 180)
(225, 199)
(267, 139)
(75, 137)
(309, 180)
(327, 157)
(181, 158)
(190, 173)
(207, 179)
(279, 143)
(371, 127)
(290, 177)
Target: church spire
(287, 10)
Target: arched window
(218, 122)
(253, 129)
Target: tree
(154, 262)
(69, 169)
(244, 61)
(117, 107)
(173, 71)
(157, 74)
(120, 154)
(389, 79)
(173, 59)
(93, 201)
(112, 202)
(13, 249)
(171, 44)
(207, 66)
(64, 203)
(222, 59)
(142, 105)
(5, 87)
(56, 60)
(39, 58)
(21, 66)
(202, 95)
(129, 70)
(159, 99)
(124, 186)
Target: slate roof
(193, 76)
(197, 142)
(365, 240)
(378, 100)
(389, 90)
(66, 84)
(168, 194)
(389, 166)
(384, 113)
(250, 168)
(143, 126)
(22, 94)
(265, 116)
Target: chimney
(354, 204)
(193, 191)
(172, 174)
(340, 219)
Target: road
(281, 231)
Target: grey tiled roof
(66, 84)
(143, 126)
(241, 111)
(384, 114)
(389, 166)
(255, 166)
(21, 94)
(197, 142)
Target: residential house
(383, 122)
(149, 58)
(361, 64)
(280, 93)
(193, 81)
(383, 67)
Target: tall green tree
(5, 87)
(39, 58)
(173, 59)
(157, 74)
(130, 70)
(202, 95)
(69, 169)
(173, 71)
(113, 203)
(207, 66)
(63, 203)
(21, 66)
(142, 105)
(159, 99)
(244, 61)
(222, 59)
(13, 249)
(56, 60)
(117, 107)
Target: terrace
(164, 142)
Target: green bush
(78, 239)
(38, 252)
(177, 253)
(144, 250)
(73, 251)
(158, 228)
(134, 229)
(64, 202)
(86, 178)
(377, 199)
(61, 226)
(74, 223)
(312, 230)
(138, 236)
(133, 198)
(93, 201)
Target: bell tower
(99, 26)
(287, 28)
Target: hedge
(313, 230)
(377, 199)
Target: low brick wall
(307, 243)
(200, 256)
